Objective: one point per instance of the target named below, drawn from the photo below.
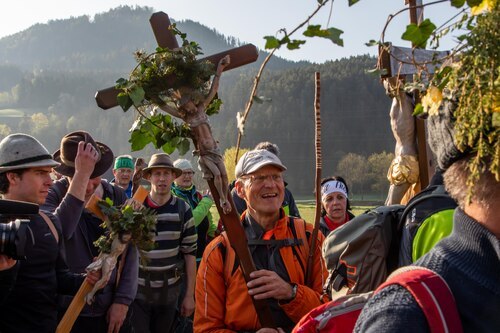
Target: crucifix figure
(412, 162)
(210, 158)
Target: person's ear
(240, 188)
(13, 177)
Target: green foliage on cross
(156, 81)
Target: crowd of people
(192, 280)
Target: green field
(307, 211)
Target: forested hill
(103, 42)
(49, 74)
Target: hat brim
(100, 168)
(147, 171)
(266, 163)
(42, 163)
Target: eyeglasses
(260, 179)
(187, 173)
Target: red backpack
(428, 288)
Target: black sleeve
(7, 281)
(239, 203)
(68, 283)
(294, 210)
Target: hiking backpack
(363, 252)
(429, 289)
(427, 218)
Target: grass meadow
(307, 211)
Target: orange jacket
(222, 300)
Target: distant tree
(40, 122)
(355, 170)
(4, 131)
(229, 158)
(379, 164)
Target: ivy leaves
(332, 34)
(156, 82)
(139, 224)
(419, 34)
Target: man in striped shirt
(155, 307)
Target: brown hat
(66, 155)
(162, 160)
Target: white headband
(332, 186)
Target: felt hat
(21, 151)
(69, 147)
(254, 160)
(161, 160)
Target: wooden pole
(317, 113)
(424, 162)
(74, 308)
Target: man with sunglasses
(279, 245)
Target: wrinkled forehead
(266, 169)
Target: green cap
(124, 161)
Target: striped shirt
(176, 236)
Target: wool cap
(21, 151)
(124, 162)
(183, 164)
(441, 136)
(254, 160)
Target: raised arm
(170, 110)
(215, 82)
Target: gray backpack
(363, 252)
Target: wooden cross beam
(106, 98)
(400, 61)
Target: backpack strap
(51, 225)
(432, 294)
(300, 233)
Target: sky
(247, 20)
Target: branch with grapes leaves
(274, 43)
(155, 82)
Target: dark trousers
(98, 325)
(155, 311)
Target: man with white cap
(279, 245)
(25, 167)
(184, 188)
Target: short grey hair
(269, 146)
(486, 188)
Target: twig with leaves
(274, 44)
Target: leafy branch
(273, 43)
(124, 220)
(157, 80)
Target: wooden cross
(107, 98)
